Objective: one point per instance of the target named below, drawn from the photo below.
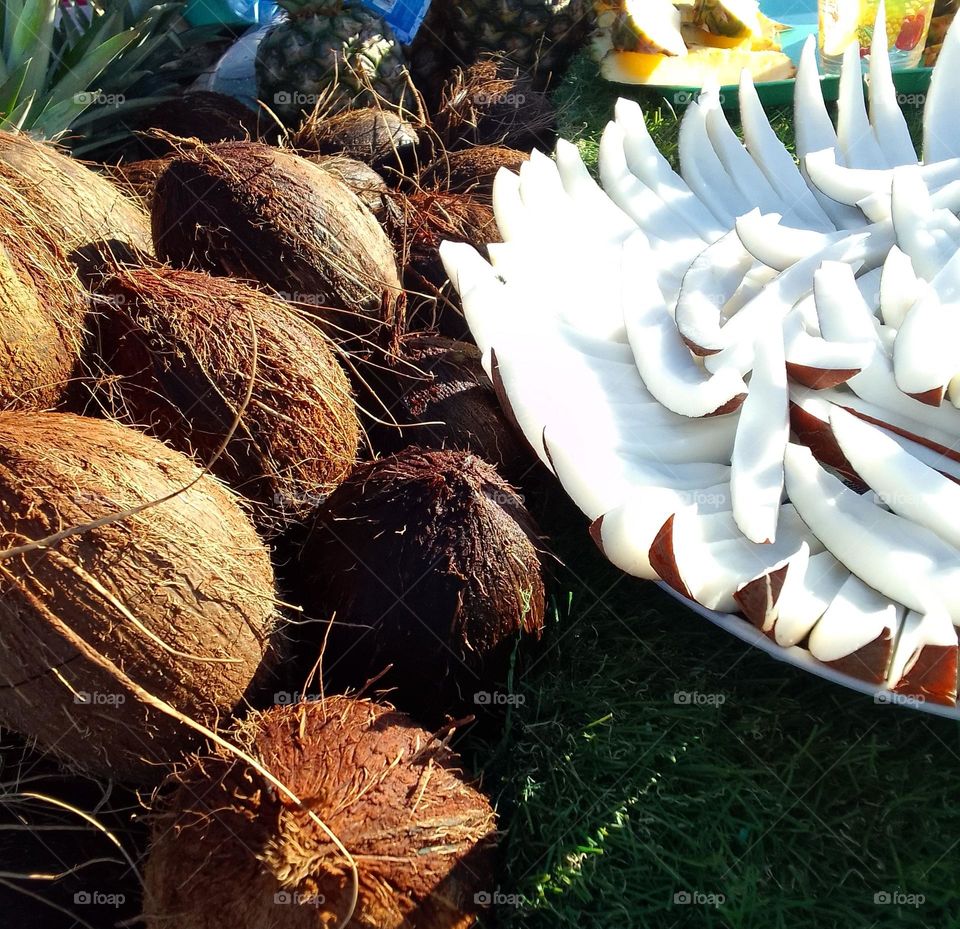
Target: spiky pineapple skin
(315, 55)
(535, 34)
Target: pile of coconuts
(264, 545)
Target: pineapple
(535, 34)
(335, 54)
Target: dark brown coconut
(42, 310)
(493, 102)
(78, 205)
(175, 354)
(379, 138)
(471, 171)
(177, 599)
(418, 224)
(139, 178)
(429, 561)
(229, 851)
(440, 397)
(369, 186)
(203, 115)
(241, 209)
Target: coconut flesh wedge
(855, 635)
(817, 363)
(941, 112)
(924, 359)
(854, 132)
(809, 588)
(924, 663)
(756, 479)
(899, 559)
(886, 117)
(665, 364)
(930, 237)
(900, 287)
(780, 246)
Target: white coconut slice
(808, 589)
(648, 165)
(703, 170)
(779, 246)
(710, 283)
(901, 560)
(625, 533)
(900, 287)
(816, 362)
(930, 237)
(924, 358)
(889, 127)
(513, 219)
(941, 114)
(711, 572)
(665, 364)
(775, 161)
(924, 663)
(763, 430)
(854, 132)
(901, 482)
(855, 635)
(876, 208)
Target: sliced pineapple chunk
(698, 67)
(648, 26)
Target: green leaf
(19, 117)
(11, 88)
(80, 78)
(33, 37)
(55, 120)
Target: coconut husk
(42, 310)
(439, 396)
(227, 851)
(241, 209)
(78, 205)
(379, 138)
(175, 354)
(418, 224)
(369, 186)
(138, 179)
(492, 102)
(176, 601)
(429, 562)
(205, 116)
(471, 171)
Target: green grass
(794, 799)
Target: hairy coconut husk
(228, 851)
(440, 397)
(138, 179)
(78, 205)
(69, 836)
(177, 600)
(418, 224)
(492, 102)
(471, 171)
(246, 210)
(369, 186)
(42, 310)
(205, 116)
(176, 351)
(379, 138)
(429, 561)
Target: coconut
(369, 186)
(440, 397)
(492, 102)
(138, 178)
(78, 205)
(472, 170)
(205, 116)
(42, 310)
(177, 351)
(228, 850)
(379, 138)
(242, 209)
(429, 562)
(175, 602)
(419, 223)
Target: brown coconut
(419, 223)
(138, 178)
(429, 561)
(42, 310)
(241, 209)
(379, 138)
(369, 186)
(437, 392)
(492, 102)
(177, 352)
(176, 601)
(471, 171)
(78, 205)
(228, 850)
